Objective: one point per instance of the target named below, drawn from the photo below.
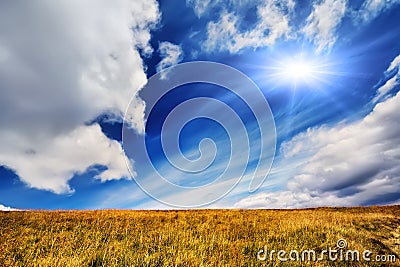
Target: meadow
(194, 237)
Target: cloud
(348, 164)
(373, 8)
(62, 64)
(391, 83)
(289, 200)
(200, 6)
(353, 159)
(233, 31)
(50, 164)
(203, 7)
(4, 208)
(323, 21)
(227, 34)
(170, 53)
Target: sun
(299, 71)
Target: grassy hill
(196, 237)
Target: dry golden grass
(191, 238)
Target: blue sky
(329, 70)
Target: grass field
(193, 238)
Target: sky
(287, 104)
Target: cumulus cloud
(170, 53)
(50, 164)
(372, 8)
(348, 164)
(323, 21)
(272, 23)
(62, 64)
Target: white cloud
(4, 208)
(200, 6)
(348, 164)
(272, 24)
(392, 82)
(323, 21)
(203, 7)
(373, 8)
(62, 64)
(355, 158)
(50, 163)
(170, 53)
(290, 200)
